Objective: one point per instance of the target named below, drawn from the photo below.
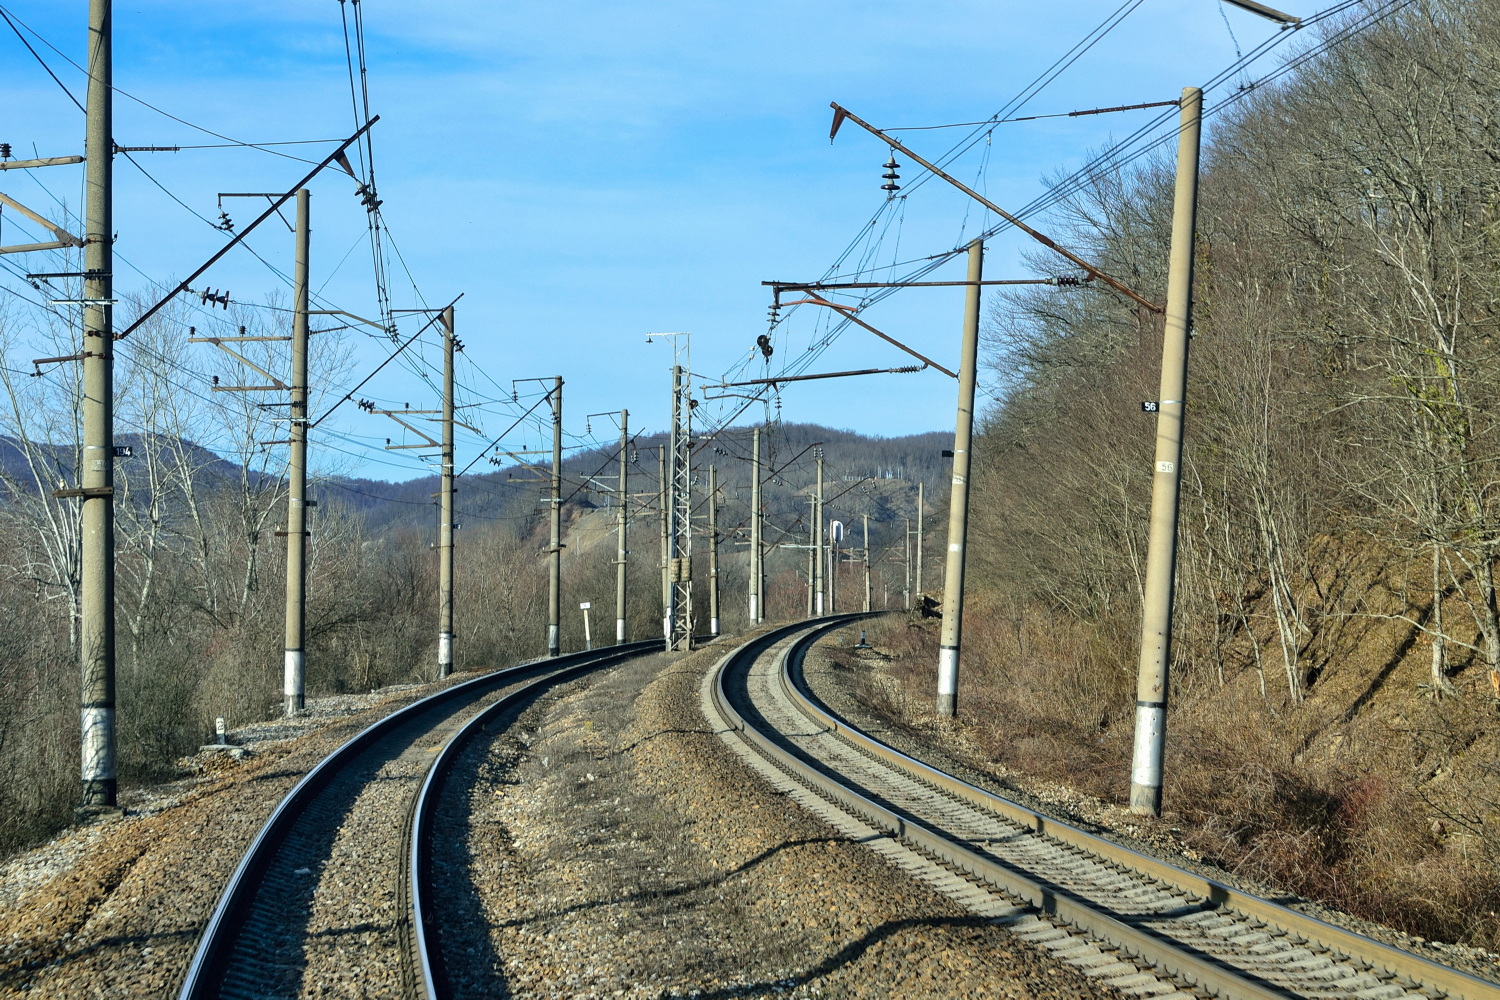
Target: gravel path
(618, 849)
(114, 910)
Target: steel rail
(217, 941)
(426, 952)
(1200, 969)
(1352, 944)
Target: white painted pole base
(98, 758)
(818, 604)
(947, 696)
(1145, 772)
(619, 631)
(293, 682)
(713, 626)
(445, 654)
(554, 641)
(754, 610)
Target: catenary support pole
(445, 502)
(906, 593)
(96, 632)
(713, 551)
(666, 580)
(818, 542)
(680, 522)
(294, 672)
(757, 553)
(622, 547)
(1161, 550)
(812, 552)
(833, 570)
(958, 509)
(554, 551)
(868, 595)
(921, 532)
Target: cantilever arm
(841, 115)
(848, 312)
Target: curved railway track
(1131, 920)
(344, 823)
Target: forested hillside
(201, 563)
(1337, 636)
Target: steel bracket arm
(273, 210)
(840, 115)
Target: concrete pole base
(1145, 800)
(98, 798)
(292, 704)
(947, 705)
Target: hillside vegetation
(200, 568)
(1337, 637)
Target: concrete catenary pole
(833, 570)
(96, 626)
(294, 673)
(906, 594)
(757, 520)
(921, 531)
(445, 501)
(554, 552)
(866, 518)
(817, 573)
(1161, 550)
(958, 509)
(713, 551)
(622, 549)
(812, 552)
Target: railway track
(1130, 920)
(329, 897)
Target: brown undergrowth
(1368, 795)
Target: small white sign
(584, 606)
(1165, 466)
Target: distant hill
(515, 493)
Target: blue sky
(587, 173)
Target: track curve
(258, 940)
(1124, 917)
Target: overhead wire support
(777, 380)
(849, 314)
(840, 114)
(823, 286)
(394, 354)
(239, 237)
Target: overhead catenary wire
(1116, 156)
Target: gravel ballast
(114, 909)
(619, 849)
(841, 676)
